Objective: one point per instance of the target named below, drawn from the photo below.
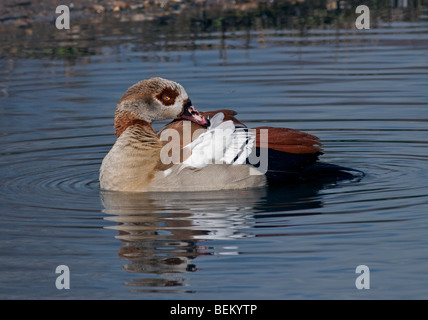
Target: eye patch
(167, 96)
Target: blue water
(363, 93)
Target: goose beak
(190, 113)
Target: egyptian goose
(200, 151)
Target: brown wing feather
(289, 140)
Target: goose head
(155, 99)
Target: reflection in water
(163, 233)
(201, 28)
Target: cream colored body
(132, 165)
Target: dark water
(364, 93)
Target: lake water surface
(364, 93)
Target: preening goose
(200, 151)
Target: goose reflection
(162, 234)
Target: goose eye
(167, 96)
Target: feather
(222, 143)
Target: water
(363, 93)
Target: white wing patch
(222, 143)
